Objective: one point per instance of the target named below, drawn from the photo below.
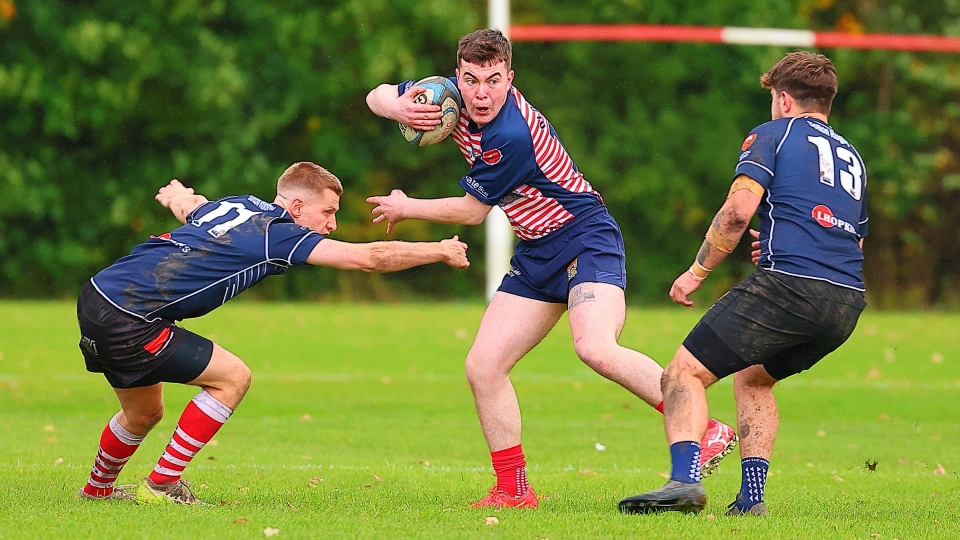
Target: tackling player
(808, 186)
(128, 312)
(570, 255)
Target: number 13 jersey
(225, 247)
(814, 211)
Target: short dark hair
(308, 177)
(809, 77)
(485, 47)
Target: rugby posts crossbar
(732, 35)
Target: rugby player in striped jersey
(570, 256)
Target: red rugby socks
(116, 446)
(200, 421)
(511, 468)
(659, 406)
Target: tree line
(103, 102)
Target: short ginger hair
(307, 177)
(810, 78)
(485, 48)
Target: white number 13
(851, 177)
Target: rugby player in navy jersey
(808, 186)
(128, 312)
(570, 255)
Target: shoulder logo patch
(748, 141)
(491, 157)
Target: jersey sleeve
(404, 86)
(758, 153)
(202, 209)
(503, 164)
(291, 243)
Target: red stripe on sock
(199, 426)
(659, 407)
(117, 449)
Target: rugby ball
(442, 92)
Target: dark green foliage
(103, 102)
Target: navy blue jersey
(225, 247)
(814, 211)
(518, 162)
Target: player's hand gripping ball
(442, 92)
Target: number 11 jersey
(225, 247)
(814, 211)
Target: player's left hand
(755, 246)
(684, 287)
(171, 191)
(389, 208)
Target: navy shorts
(589, 249)
(784, 323)
(131, 352)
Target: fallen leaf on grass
(243, 489)
(270, 531)
(491, 520)
(377, 478)
(939, 471)
(600, 447)
(586, 471)
(837, 478)
(306, 418)
(49, 428)
(665, 475)
(241, 520)
(874, 535)
(292, 507)
(231, 503)
(711, 516)
(59, 460)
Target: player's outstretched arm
(384, 101)
(180, 199)
(396, 207)
(723, 235)
(388, 256)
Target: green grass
(372, 400)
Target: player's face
(484, 89)
(321, 213)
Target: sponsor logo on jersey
(491, 157)
(748, 141)
(474, 185)
(166, 236)
(572, 270)
(743, 155)
(825, 218)
(513, 272)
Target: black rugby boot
(672, 497)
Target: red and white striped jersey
(518, 162)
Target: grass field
(360, 424)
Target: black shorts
(785, 323)
(131, 352)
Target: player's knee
(244, 377)
(143, 421)
(594, 352)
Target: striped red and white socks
(116, 446)
(200, 421)
(511, 468)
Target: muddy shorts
(784, 323)
(131, 352)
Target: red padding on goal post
(615, 32)
(893, 42)
(713, 34)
